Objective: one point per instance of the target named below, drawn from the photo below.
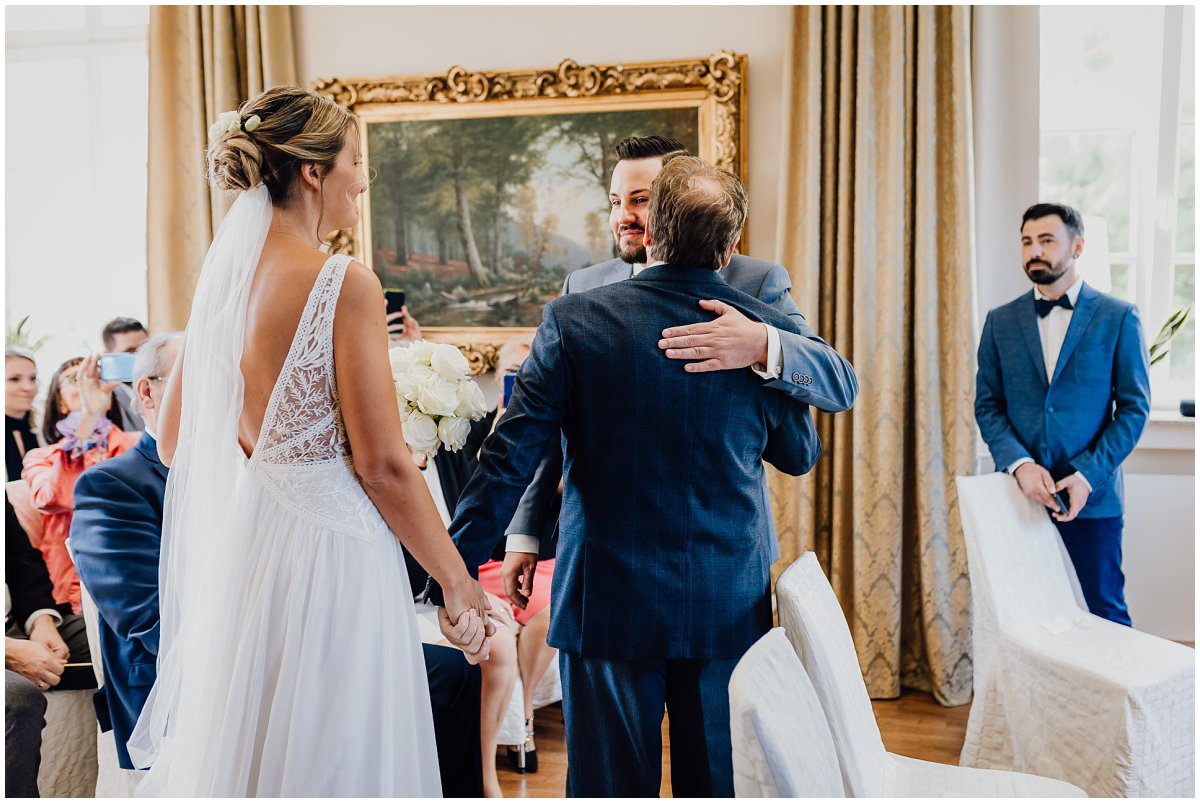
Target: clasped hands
(1037, 484)
(42, 657)
(464, 622)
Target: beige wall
(387, 40)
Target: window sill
(1168, 430)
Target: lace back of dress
(303, 422)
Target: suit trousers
(614, 711)
(454, 689)
(24, 718)
(1095, 549)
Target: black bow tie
(1043, 306)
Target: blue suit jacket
(813, 373)
(116, 533)
(1089, 417)
(664, 537)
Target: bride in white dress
(289, 662)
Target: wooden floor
(914, 725)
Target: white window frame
(1154, 213)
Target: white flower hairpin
(232, 121)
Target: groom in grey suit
(799, 363)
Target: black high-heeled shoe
(524, 758)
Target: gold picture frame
(706, 96)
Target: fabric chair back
(1020, 574)
(781, 742)
(816, 626)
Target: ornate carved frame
(714, 85)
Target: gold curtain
(876, 227)
(203, 60)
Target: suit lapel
(1085, 308)
(149, 450)
(621, 270)
(1033, 339)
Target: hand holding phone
(1063, 507)
(117, 367)
(395, 300)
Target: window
(75, 217)
(1117, 111)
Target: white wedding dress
(294, 666)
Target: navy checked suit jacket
(664, 537)
(116, 536)
(1089, 417)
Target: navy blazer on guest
(1089, 417)
(664, 541)
(116, 534)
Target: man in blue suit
(1062, 396)
(795, 362)
(663, 573)
(116, 535)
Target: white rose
(437, 397)
(453, 432)
(471, 403)
(420, 433)
(448, 361)
(421, 352)
(400, 358)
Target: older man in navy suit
(792, 361)
(116, 536)
(1062, 396)
(663, 574)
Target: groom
(664, 554)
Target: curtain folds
(203, 60)
(876, 227)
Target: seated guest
(79, 422)
(125, 336)
(117, 535)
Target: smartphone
(1063, 507)
(510, 380)
(395, 299)
(117, 367)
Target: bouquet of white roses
(437, 397)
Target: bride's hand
(467, 595)
(469, 635)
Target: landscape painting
(489, 187)
(480, 220)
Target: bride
(289, 660)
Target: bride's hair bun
(271, 136)
(234, 162)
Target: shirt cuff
(53, 614)
(521, 543)
(1013, 468)
(1085, 482)
(774, 366)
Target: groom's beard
(634, 250)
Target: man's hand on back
(729, 342)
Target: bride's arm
(167, 434)
(381, 458)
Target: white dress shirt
(1052, 330)
(430, 473)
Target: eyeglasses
(156, 378)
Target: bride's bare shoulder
(361, 289)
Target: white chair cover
(1060, 692)
(781, 742)
(815, 625)
(68, 745)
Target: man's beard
(1046, 274)
(635, 250)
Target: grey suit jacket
(813, 373)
